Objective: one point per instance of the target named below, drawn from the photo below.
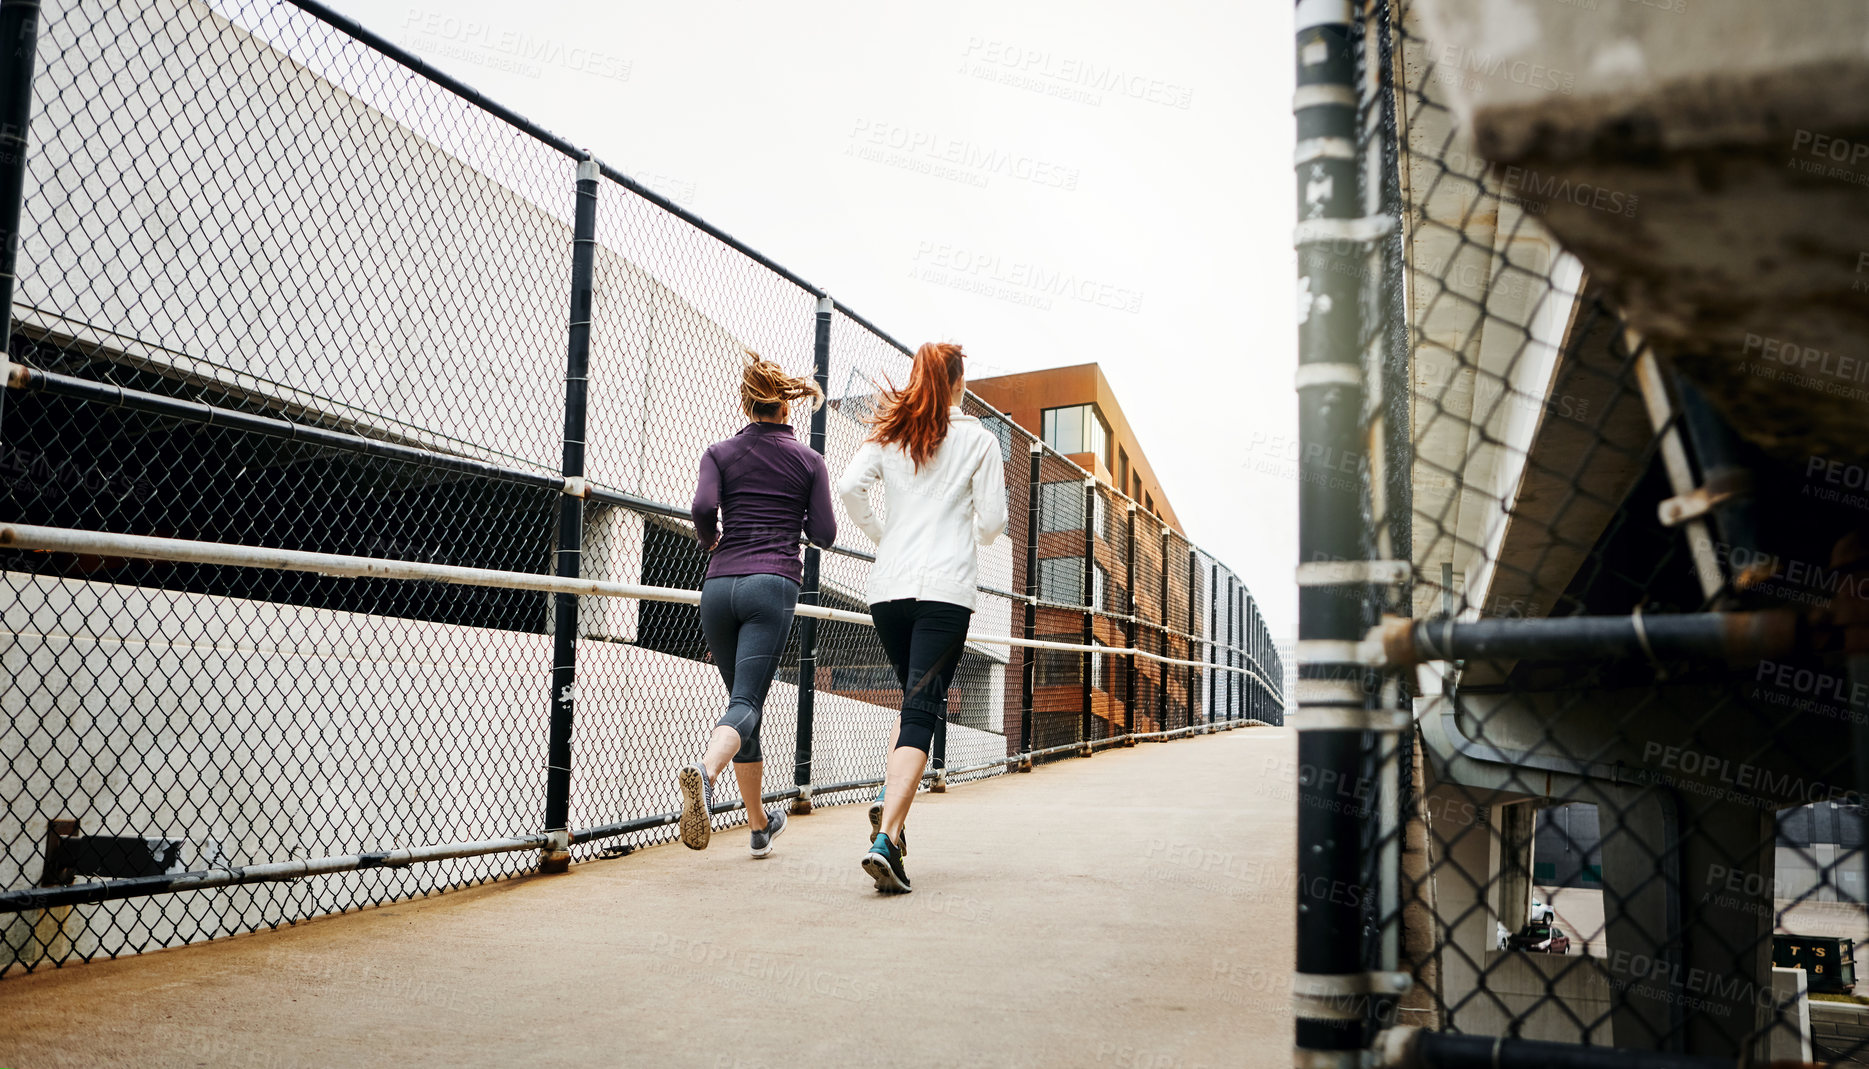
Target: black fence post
(1029, 672)
(1194, 569)
(808, 587)
(1331, 955)
(1235, 681)
(1129, 632)
(19, 43)
(1163, 685)
(1090, 609)
(1213, 635)
(557, 855)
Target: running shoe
(697, 803)
(762, 837)
(883, 862)
(876, 824)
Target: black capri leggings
(745, 619)
(924, 640)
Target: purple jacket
(769, 487)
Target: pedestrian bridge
(1132, 910)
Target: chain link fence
(351, 425)
(1579, 716)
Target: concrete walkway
(1132, 910)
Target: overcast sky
(1148, 153)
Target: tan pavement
(1132, 911)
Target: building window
(1122, 468)
(1060, 668)
(1061, 580)
(1099, 585)
(1135, 489)
(1077, 429)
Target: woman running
(763, 487)
(945, 495)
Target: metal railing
(348, 424)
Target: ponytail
(916, 416)
(764, 386)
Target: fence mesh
(1629, 841)
(279, 290)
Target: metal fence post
(808, 588)
(1163, 685)
(19, 41)
(1129, 631)
(1029, 672)
(1090, 609)
(1249, 609)
(1331, 960)
(1194, 567)
(557, 854)
(1213, 632)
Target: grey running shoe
(762, 837)
(697, 802)
(883, 862)
(876, 825)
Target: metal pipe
(1738, 637)
(808, 587)
(1161, 683)
(1129, 628)
(1029, 664)
(1090, 608)
(145, 547)
(1331, 526)
(19, 43)
(1418, 1048)
(570, 521)
(139, 886)
(1194, 566)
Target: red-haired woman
(945, 495)
(769, 488)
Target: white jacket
(936, 515)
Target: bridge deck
(1131, 910)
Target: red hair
(916, 417)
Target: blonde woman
(946, 493)
(756, 492)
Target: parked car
(1505, 936)
(1541, 913)
(1541, 938)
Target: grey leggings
(745, 619)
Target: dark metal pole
(1738, 637)
(1213, 631)
(19, 41)
(1194, 567)
(1256, 659)
(808, 587)
(557, 856)
(1330, 949)
(1162, 679)
(1129, 631)
(1090, 605)
(1029, 656)
(1232, 639)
